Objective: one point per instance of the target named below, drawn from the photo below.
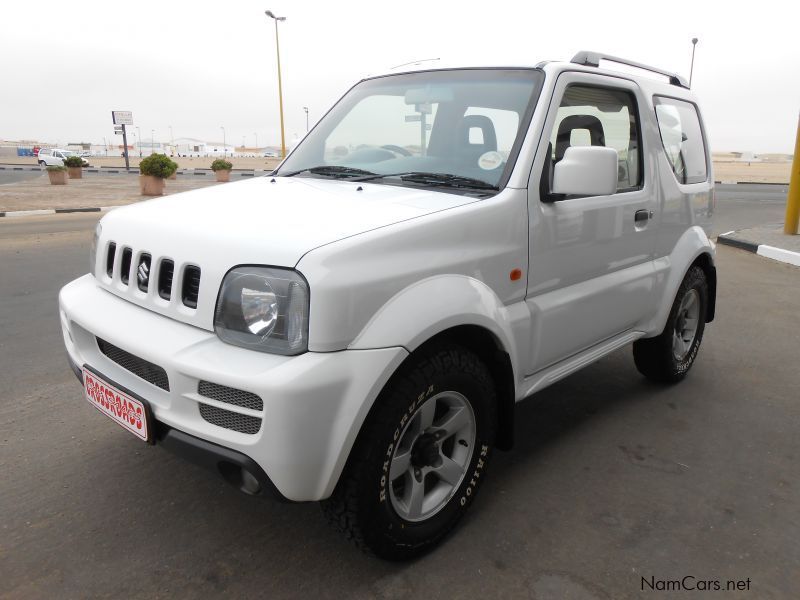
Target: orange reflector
(516, 274)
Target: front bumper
(314, 403)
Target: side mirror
(586, 171)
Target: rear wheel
(668, 357)
(421, 456)
(42, 163)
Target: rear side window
(682, 138)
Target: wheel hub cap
(686, 323)
(431, 457)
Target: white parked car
(49, 157)
(357, 327)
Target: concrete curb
(55, 211)
(779, 254)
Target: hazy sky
(199, 65)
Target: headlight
(263, 309)
(93, 250)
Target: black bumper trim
(224, 461)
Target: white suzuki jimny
(357, 326)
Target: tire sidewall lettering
(409, 412)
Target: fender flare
(693, 244)
(430, 306)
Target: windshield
(458, 129)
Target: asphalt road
(613, 478)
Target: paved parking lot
(613, 479)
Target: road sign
(118, 128)
(122, 117)
(413, 118)
(118, 132)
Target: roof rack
(592, 59)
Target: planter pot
(173, 176)
(223, 175)
(75, 172)
(151, 186)
(57, 177)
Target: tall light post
(139, 138)
(691, 69)
(305, 108)
(255, 133)
(171, 138)
(152, 142)
(224, 144)
(105, 145)
(270, 14)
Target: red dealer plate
(129, 412)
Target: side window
(599, 116)
(682, 138)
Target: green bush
(73, 161)
(158, 165)
(221, 165)
(56, 168)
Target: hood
(264, 220)
(275, 221)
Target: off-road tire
(654, 357)
(361, 507)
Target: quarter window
(682, 138)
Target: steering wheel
(397, 149)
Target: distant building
(195, 147)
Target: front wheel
(421, 456)
(668, 357)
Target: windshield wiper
(331, 171)
(443, 179)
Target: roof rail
(592, 59)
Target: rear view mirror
(430, 94)
(586, 171)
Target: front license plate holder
(125, 408)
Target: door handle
(642, 215)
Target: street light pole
(255, 133)
(270, 14)
(691, 69)
(152, 141)
(139, 138)
(305, 108)
(224, 144)
(171, 139)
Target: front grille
(143, 272)
(191, 286)
(230, 395)
(125, 266)
(151, 373)
(165, 273)
(112, 250)
(229, 419)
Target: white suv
(49, 157)
(357, 326)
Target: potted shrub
(222, 169)
(74, 165)
(57, 174)
(154, 170)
